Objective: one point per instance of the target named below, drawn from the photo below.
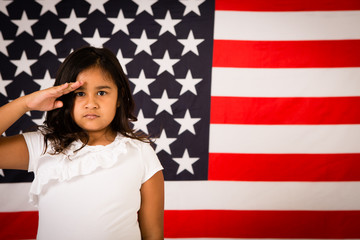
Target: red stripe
(286, 54)
(286, 5)
(284, 167)
(309, 110)
(18, 225)
(262, 224)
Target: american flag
(254, 106)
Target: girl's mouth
(91, 116)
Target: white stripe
(217, 195)
(14, 197)
(302, 25)
(227, 138)
(279, 82)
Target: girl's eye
(79, 94)
(101, 93)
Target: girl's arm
(13, 150)
(151, 214)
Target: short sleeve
(151, 162)
(36, 146)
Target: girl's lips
(91, 116)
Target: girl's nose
(91, 103)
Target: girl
(95, 178)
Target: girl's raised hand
(45, 100)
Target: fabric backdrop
(254, 106)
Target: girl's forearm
(11, 112)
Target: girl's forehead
(95, 76)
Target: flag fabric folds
(253, 106)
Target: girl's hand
(45, 100)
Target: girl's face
(95, 101)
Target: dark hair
(60, 128)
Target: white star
(188, 83)
(163, 143)
(164, 103)
(187, 123)
(123, 61)
(142, 122)
(97, 4)
(73, 22)
(24, 24)
(4, 44)
(192, 5)
(48, 5)
(3, 5)
(48, 44)
(190, 44)
(167, 24)
(96, 40)
(142, 83)
(120, 23)
(23, 65)
(143, 43)
(2, 173)
(45, 83)
(166, 64)
(185, 163)
(3, 84)
(144, 5)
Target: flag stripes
(247, 110)
(283, 5)
(286, 54)
(275, 25)
(262, 224)
(284, 120)
(285, 82)
(284, 138)
(284, 167)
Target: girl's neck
(101, 138)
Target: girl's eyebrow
(98, 87)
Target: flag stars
(48, 5)
(121, 23)
(23, 65)
(123, 61)
(142, 83)
(144, 5)
(187, 123)
(185, 163)
(48, 44)
(142, 122)
(163, 143)
(96, 40)
(45, 83)
(167, 24)
(4, 44)
(190, 44)
(166, 64)
(3, 5)
(97, 5)
(2, 173)
(73, 22)
(3, 85)
(143, 43)
(164, 103)
(192, 6)
(24, 24)
(188, 83)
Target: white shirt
(90, 194)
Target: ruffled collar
(72, 163)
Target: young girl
(95, 178)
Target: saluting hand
(46, 100)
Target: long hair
(60, 128)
